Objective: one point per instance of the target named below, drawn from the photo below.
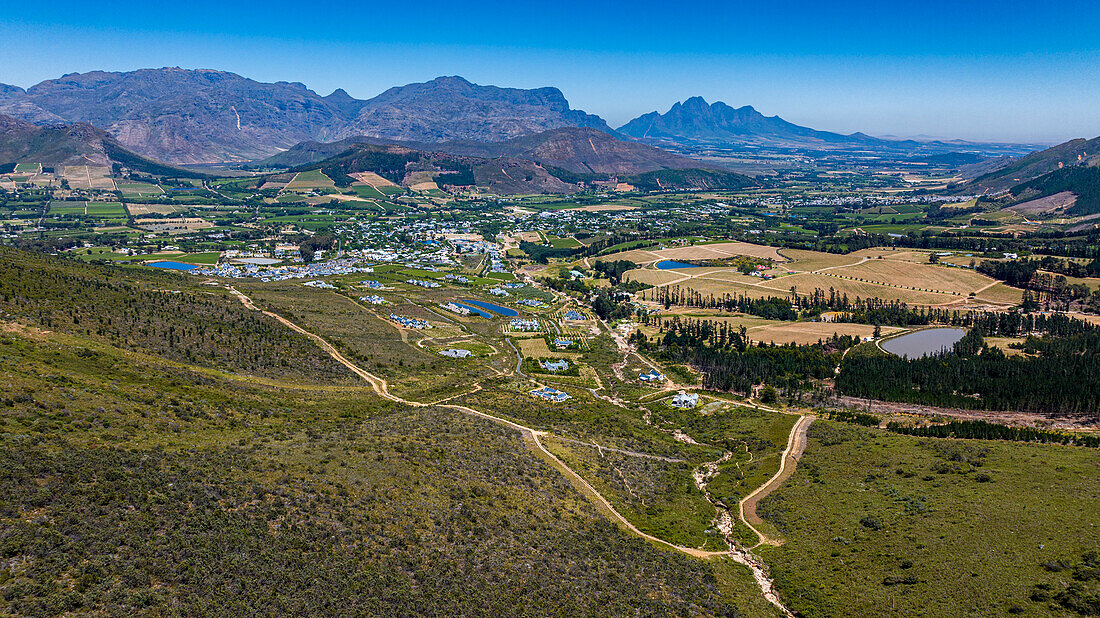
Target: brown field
(372, 179)
(699, 252)
(803, 333)
(88, 177)
(813, 260)
(923, 277)
(903, 255)
(654, 277)
(138, 210)
(182, 224)
(1001, 294)
(806, 283)
(529, 237)
(602, 207)
(535, 347)
(424, 186)
(1003, 343)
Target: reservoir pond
(923, 342)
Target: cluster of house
(456, 353)
(563, 343)
(372, 284)
(573, 316)
(459, 309)
(496, 264)
(652, 376)
(524, 325)
(684, 400)
(551, 394)
(499, 292)
(530, 302)
(422, 283)
(373, 299)
(456, 278)
(341, 266)
(409, 322)
(555, 365)
(324, 285)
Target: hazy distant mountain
(76, 144)
(194, 116)
(1077, 152)
(451, 108)
(695, 122)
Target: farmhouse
(652, 376)
(684, 400)
(456, 353)
(409, 322)
(373, 299)
(573, 316)
(563, 343)
(524, 325)
(552, 394)
(459, 309)
(558, 365)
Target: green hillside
(1084, 182)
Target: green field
(368, 191)
(563, 243)
(139, 189)
(28, 168)
(67, 208)
(913, 513)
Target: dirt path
(796, 444)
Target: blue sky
(1003, 70)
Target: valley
(461, 349)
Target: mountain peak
(695, 122)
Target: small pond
(476, 305)
(923, 342)
(670, 264)
(172, 265)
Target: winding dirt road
(796, 445)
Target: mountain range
(575, 150)
(203, 116)
(186, 116)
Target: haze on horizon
(1005, 71)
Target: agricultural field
(139, 189)
(563, 243)
(28, 168)
(58, 207)
(923, 277)
(140, 210)
(89, 177)
(716, 251)
(312, 179)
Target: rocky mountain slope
(555, 161)
(1077, 152)
(576, 150)
(76, 144)
(451, 108)
(197, 116)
